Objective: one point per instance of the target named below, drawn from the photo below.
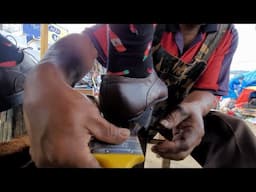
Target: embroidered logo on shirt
(116, 42)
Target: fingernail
(125, 133)
(164, 123)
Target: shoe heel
(141, 121)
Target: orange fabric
(243, 97)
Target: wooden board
(85, 91)
(11, 124)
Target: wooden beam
(43, 39)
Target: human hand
(186, 123)
(60, 123)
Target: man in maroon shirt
(60, 121)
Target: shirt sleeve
(216, 76)
(98, 36)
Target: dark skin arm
(187, 125)
(60, 121)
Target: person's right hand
(60, 122)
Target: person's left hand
(187, 127)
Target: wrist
(193, 107)
(200, 101)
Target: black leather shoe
(12, 82)
(128, 102)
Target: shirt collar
(208, 28)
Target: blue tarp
(32, 31)
(249, 79)
(236, 86)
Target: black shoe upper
(12, 81)
(124, 98)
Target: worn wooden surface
(154, 161)
(14, 145)
(13, 135)
(89, 92)
(11, 124)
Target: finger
(179, 148)
(106, 131)
(174, 117)
(182, 142)
(174, 155)
(87, 160)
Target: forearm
(203, 101)
(74, 56)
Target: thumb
(174, 117)
(108, 132)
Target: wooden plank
(1, 125)
(11, 124)
(4, 127)
(85, 91)
(152, 160)
(188, 162)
